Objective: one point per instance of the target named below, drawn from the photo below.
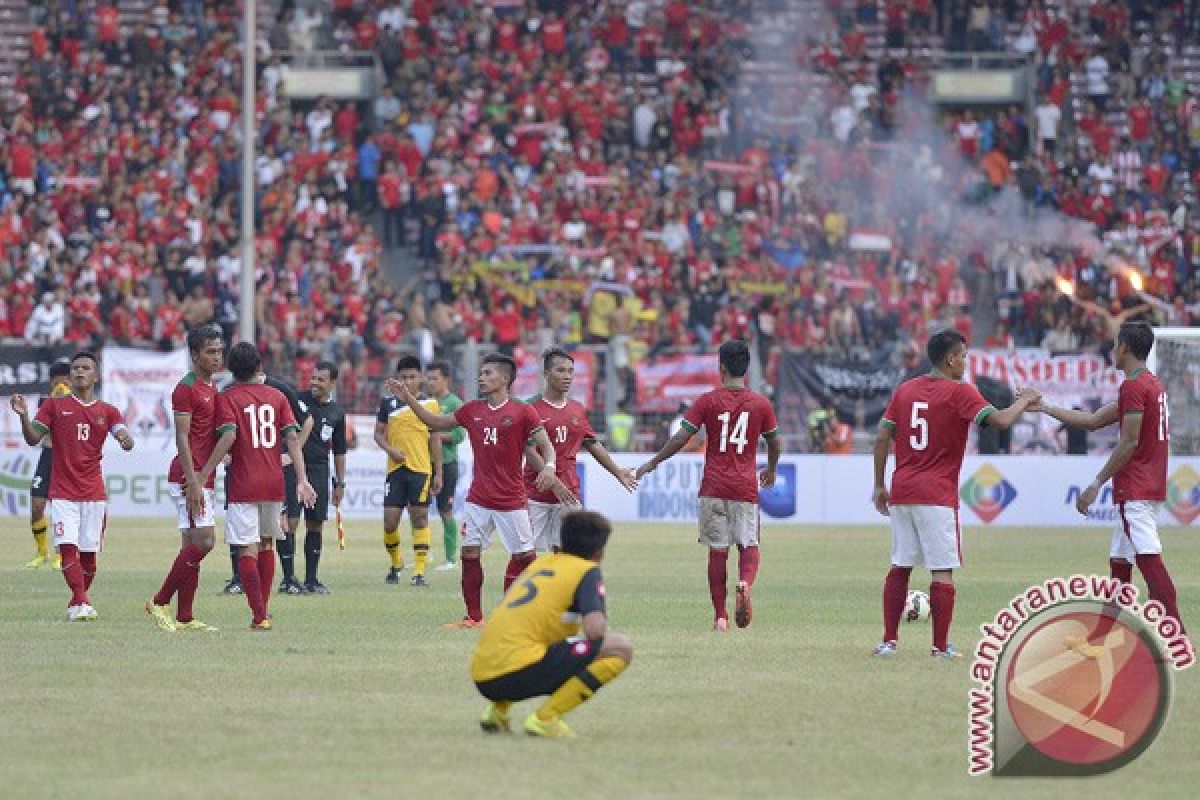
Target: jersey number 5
(530, 588)
(736, 437)
(920, 426)
(262, 426)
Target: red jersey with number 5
(198, 400)
(498, 438)
(931, 417)
(568, 429)
(261, 416)
(733, 420)
(77, 433)
(1145, 476)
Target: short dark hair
(408, 362)
(942, 344)
(243, 361)
(553, 353)
(85, 354)
(327, 366)
(585, 533)
(1138, 336)
(441, 367)
(60, 369)
(506, 361)
(734, 356)
(201, 335)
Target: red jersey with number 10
(1145, 476)
(198, 400)
(77, 433)
(931, 417)
(568, 429)
(733, 420)
(262, 417)
(498, 438)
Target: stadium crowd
(647, 175)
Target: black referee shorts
(406, 488)
(291, 503)
(562, 660)
(39, 485)
(318, 476)
(445, 498)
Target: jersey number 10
(736, 437)
(262, 426)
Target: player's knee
(617, 645)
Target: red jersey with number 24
(733, 420)
(498, 437)
(931, 418)
(77, 433)
(568, 429)
(261, 416)
(198, 400)
(1145, 476)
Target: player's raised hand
(399, 389)
(306, 494)
(628, 479)
(766, 478)
(124, 439)
(19, 406)
(882, 501)
(1031, 397)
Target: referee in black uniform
(328, 436)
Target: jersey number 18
(262, 426)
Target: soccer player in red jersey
(251, 418)
(566, 423)
(194, 404)
(77, 425)
(734, 417)
(499, 428)
(929, 417)
(1137, 466)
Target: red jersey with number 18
(733, 420)
(1144, 477)
(261, 416)
(931, 417)
(77, 433)
(568, 428)
(498, 438)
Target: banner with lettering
(668, 381)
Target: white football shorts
(724, 523)
(1136, 533)
(546, 521)
(208, 514)
(480, 523)
(926, 536)
(249, 523)
(79, 522)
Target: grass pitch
(362, 694)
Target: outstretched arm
(435, 422)
(676, 443)
(599, 452)
(1088, 421)
(1004, 419)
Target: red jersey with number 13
(261, 416)
(733, 420)
(77, 433)
(498, 437)
(568, 429)
(1144, 477)
(931, 417)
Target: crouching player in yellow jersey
(550, 635)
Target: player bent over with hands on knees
(77, 425)
(250, 419)
(1137, 466)
(928, 418)
(734, 418)
(550, 635)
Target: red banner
(672, 380)
(529, 377)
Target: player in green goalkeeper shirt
(437, 379)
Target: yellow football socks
(421, 541)
(581, 687)
(39, 535)
(392, 542)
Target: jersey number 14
(737, 436)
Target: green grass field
(362, 694)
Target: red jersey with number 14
(931, 417)
(568, 429)
(498, 438)
(198, 400)
(1145, 476)
(733, 420)
(261, 416)
(77, 433)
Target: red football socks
(472, 587)
(748, 564)
(73, 574)
(248, 572)
(188, 583)
(516, 565)
(717, 574)
(87, 563)
(266, 576)
(1120, 569)
(895, 593)
(941, 605)
(174, 580)
(1158, 580)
